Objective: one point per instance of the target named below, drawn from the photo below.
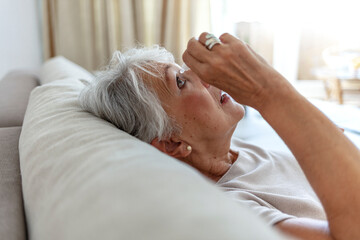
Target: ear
(173, 147)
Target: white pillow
(85, 179)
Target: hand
(235, 68)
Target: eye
(180, 82)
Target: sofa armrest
(12, 217)
(15, 90)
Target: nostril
(205, 84)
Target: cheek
(200, 114)
(198, 107)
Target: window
(294, 36)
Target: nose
(196, 78)
(206, 85)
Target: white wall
(20, 38)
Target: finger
(198, 50)
(196, 66)
(204, 37)
(228, 38)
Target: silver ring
(211, 41)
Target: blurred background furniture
(342, 74)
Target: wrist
(271, 99)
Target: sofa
(65, 174)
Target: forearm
(329, 160)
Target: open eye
(180, 82)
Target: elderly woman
(185, 114)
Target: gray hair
(118, 94)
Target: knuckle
(185, 56)
(202, 36)
(239, 46)
(224, 35)
(226, 52)
(190, 43)
(215, 63)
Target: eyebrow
(167, 67)
(167, 83)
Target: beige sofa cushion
(15, 90)
(12, 219)
(85, 179)
(59, 68)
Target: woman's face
(203, 111)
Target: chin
(239, 111)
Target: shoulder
(251, 150)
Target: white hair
(118, 94)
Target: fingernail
(185, 67)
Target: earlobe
(172, 147)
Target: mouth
(224, 98)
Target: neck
(212, 158)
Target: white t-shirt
(270, 183)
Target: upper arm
(305, 228)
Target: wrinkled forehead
(153, 71)
(158, 80)
(163, 68)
